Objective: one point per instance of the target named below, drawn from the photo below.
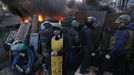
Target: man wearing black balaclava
(87, 38)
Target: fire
(58, 17)
(61, 18)
(46, 17)
(40, 18)
(25, 20)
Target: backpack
(130, 47)
(129, 42)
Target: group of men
(77, 46)
(65, 49)
(120, 44)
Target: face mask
(90, 26)
(57, 37)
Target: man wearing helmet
(120, 43)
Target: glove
(45, 54)
(93, 54)
(54, 53)
(44, 66)
(107, 56)
(27, 70)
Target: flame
(25, 20)
(58, 17)
(40, 18)
(61, 18)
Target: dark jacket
(44, 34)
(28, 60)
(121, 37)
(87, 38)
(73, 33)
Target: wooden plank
(110, 19)
(108, 26)
(34, 41)
(34, 24)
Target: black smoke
(29, 7)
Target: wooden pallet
(22, 32)
(11, 36)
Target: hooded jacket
(28, 60)
(122, 35)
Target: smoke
(55, 6)
(29, 7)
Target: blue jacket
(28, 60)
(121, 36)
